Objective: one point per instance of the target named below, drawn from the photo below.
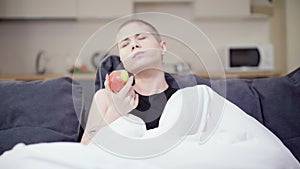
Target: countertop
(29, 77)
(91, 76)
(245, 74)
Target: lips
(137, 54)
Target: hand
(125, 100)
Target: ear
(163, 46)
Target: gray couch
(52, 110)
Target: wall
(21, 41)
(278, 34)
(62, 40)
(293, 34)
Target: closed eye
(141, 36)
(124, 45)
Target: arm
(107, 107)
(96, 118)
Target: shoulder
(199, 91)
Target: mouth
(137, 54)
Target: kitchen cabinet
(64, 9)
(263, 7)
(110, 9)
(222, 8)
(104, 9)
(22, 9)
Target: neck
(150, 82)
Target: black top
(150, 108)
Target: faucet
(39, 66)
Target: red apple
(117, 79)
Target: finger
(131, 92)
(124, 91)
(135, 101)
(132, 103)
(106, 85)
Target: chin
(141, 65)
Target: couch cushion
(274, 101)
(280, 102)
(39, 111)
(242, 93)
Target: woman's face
(139, 49)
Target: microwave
(249, 57)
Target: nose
(134, 45)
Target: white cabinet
(20, 9)
(221, 8)
(104, 8)
(38, 9)
(109, 9)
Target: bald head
(136, 26)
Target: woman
(141, 50)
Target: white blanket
(198, 129)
